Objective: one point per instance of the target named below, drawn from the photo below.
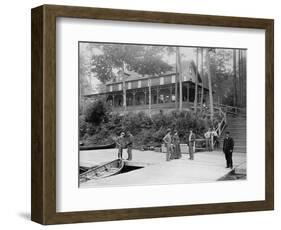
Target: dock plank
(207, 167)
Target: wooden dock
(155, 170)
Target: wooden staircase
(237, 126)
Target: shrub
(144, 137)
(82, 126)
(161, 120)
(146, 131)
(136, 122)
(159, 135)
(101, 136)
(96, 112)
(114, 123)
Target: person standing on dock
(130, 139)
(168, 142)
(176, 143)
(228, 145)
(214, 139)
(191, 141)
(121, 144)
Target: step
(239, 137)
(240, 149)
(235, 143)
(229, 124)
(236, 125)
(236, 139)
(236, 131)
(240, 144)
(236, 135)
(236, 121)
(236, 117)
(241, 169)
(236, 128)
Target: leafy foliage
(146, 131)
(96, 112)
(141, 59)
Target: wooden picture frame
(43, 205)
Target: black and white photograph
(161, 114)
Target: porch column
(157, 94)
(113, 97)
(145, 96)
(176, 88)
(124, 96)
(187, 91)
(134, 97)
(171, 93)
(149, 96)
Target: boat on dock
(105, 170)
(94, 147)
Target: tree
(179, 70)
(243, 78)
(196, 82)
(210, 83)
(150, 61)
(221, 65)
(234, 78)
(84, 69)
(141, 59)
(202, 83)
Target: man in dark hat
(121, 144)
(228, 145)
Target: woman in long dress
(176, 143)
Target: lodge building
(133, 92)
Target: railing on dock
(219, 130)
(222, 124)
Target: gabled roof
(186, 65)
(191, 64)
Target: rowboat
(93, 147)
(102, 171)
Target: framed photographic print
(141, 114)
